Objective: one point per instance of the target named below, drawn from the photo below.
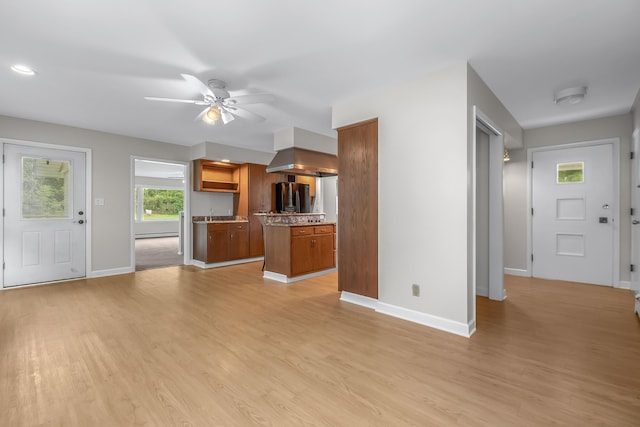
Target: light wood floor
(223, 347)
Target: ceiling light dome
(572, 95)
(23, 69)
(211, 116)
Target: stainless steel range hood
(299, 161)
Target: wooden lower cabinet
(219, 242)
(298, 250)
(238, 241)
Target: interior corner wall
(422, 190)
(111, 176)
(621, 127)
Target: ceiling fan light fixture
(572, 95)
(211, 116)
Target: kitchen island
(298, 246)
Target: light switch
(100, 202)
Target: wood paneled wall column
(358, 208)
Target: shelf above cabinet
(216, 176)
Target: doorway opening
(488, 158)
(159, 203)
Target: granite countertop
(300, 224)
(218, 219)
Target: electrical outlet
(415, 290)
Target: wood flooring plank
(225, 347)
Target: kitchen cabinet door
(238, 242)
(323, 252)
(217, 248)
(302, 255)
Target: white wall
(111, 168)
(516, 181)
(422, 184)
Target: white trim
(517, 272)
(152, 235)
(360, 300)
(111, 272)
(285, 279)
(425, 319)
(623, 284)
(446, 325)
(88, 167)
(205, 265)
(615, 142)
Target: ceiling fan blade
(247, 115)
(227, 117)
(184, 101)
(264, 98)
(197, 84)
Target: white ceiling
(96, 60)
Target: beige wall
(516, 186)
(111, 169)
(422, 184)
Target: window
(157, 204)
(46, 188)
(570, 173)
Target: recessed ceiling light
(23, 69)
(572, 95)
(225, 160)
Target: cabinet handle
(231, 236)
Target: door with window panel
(574, 207)
(45, 220)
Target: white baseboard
(516, 272)
(623, 284)
(153, 235)
(284, 279)
(111, 272)
(465, 330)
(225, 263)
(359, 300)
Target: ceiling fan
(219, 103)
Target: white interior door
(573, 212)
(44, 222)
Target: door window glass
(570, 173)
(46, 188)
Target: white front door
(44, 222)
(573, 211)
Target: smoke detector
(572, 95)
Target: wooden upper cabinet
(358, 208)
(215, 176)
